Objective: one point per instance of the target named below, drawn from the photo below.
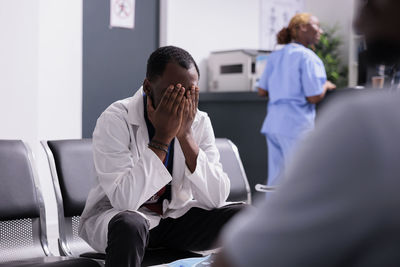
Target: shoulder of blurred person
(338, 205)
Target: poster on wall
(276, 14)
(122, 13)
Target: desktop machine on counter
(236, 70)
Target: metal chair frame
(240, 164)
(39, 195)
(64, 223)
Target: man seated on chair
(159, 179)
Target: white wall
(41, 80)
(203, 26)
(18, 69)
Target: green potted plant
(328, 50)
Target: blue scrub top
(292, 74)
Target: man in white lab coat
(159, 179)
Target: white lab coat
(129, 173)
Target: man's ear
(147, 87)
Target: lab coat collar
(136, 109)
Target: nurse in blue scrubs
(294, 80)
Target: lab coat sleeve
(313, 75)
(210, 184)
(128, 183)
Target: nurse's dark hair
(159, 59)
(289, 33)
(283, 36)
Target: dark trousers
(129, 234)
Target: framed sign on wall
(276, 14)
(122, 13)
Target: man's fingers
(167, 94)
(190, 105)
(189, 94)
(174, 94)
(179, 99)
(192, 93)
(192, 98)
(187, 106)
(181, 107)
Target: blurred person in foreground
(338, 205)
(294, 80)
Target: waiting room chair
(232, 165)
(23, 238)
(72, 169)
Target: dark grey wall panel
(114, 60)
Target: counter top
(253, 96)
(230, 96)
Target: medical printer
(236, 70)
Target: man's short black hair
(159, 59)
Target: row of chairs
(23, 237)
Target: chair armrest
(264, 188)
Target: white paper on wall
(276, 14)
(122, 13)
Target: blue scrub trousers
(280, 149)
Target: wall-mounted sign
(276, 14)
(122, 13)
